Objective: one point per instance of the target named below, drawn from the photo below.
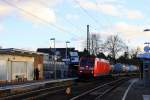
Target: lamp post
(147, 30)
(53, 39)
(67, 51)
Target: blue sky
(30, 24)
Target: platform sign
(146, 48)
(74, 58)
(73, 53)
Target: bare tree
(114, 45)
(134, 52)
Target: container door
(3, 70)
(19, 70)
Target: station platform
(138, 91)
(133, 89)
(32, 85)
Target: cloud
(72, 16)
(112, 8)
(127, 30)
(36, 9)
(122, 26)
(29, 9)
(134, 14)
(4, 10)
(132, 34)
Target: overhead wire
(86, 12)
(45, 4)
(95, 20)
(76, 27)
(108, 20)
(40, 19)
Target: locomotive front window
(87, 62)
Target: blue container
(118, 67)
(131, 68)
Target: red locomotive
(92, 66)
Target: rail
(99, 91)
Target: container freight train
(91, 67)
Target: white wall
(3, 70)
(12, 65)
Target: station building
(19, 65)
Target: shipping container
(118, 67)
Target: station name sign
(146, 48)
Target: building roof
(18, 52)
(50, 51)
(45, 50)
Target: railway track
(49, 94)
(37, 93)
(79, 91)
(32, 93)
(76, 91)
(99, 92)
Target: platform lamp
(67, 51)
(147, 43)
(53, 39)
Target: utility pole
(88, 39)
(92, 47)
(96, 52)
